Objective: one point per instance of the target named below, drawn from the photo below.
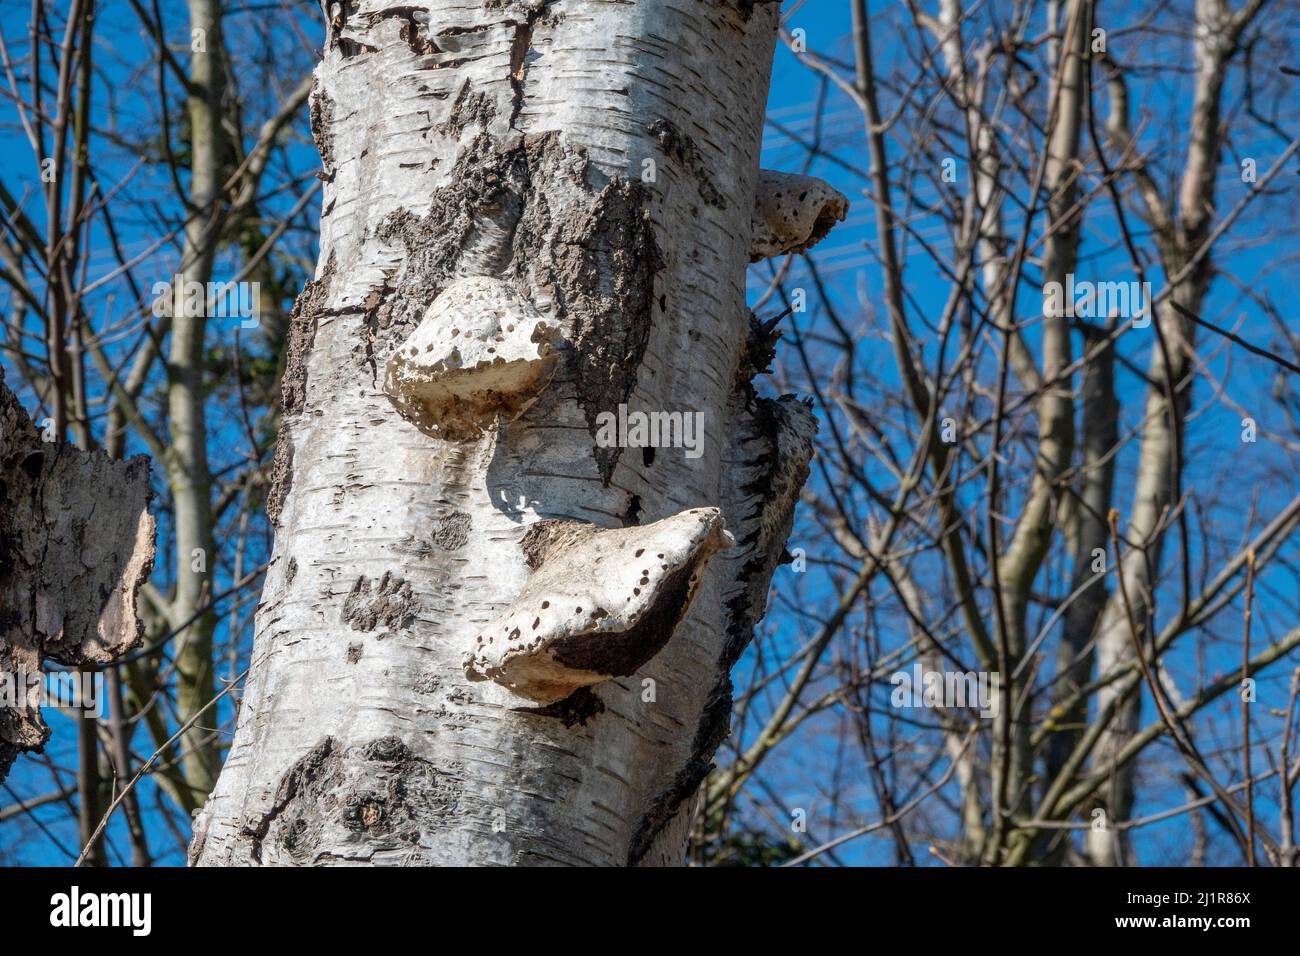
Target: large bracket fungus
(792, 213)
(76, 546)
(599, 604)
(480, 351)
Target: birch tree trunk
(487, 637)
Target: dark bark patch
(355, 650)
(388, 800)
(388, 749)
(452, 531)
(458, 30)
(600, 268)
(281, 475)
(350, 48)
(347, 46)
(473, 215)
(414, 30)
(302, 333)
(293, 383)
(760, 350)
(379, 795)
(313, 772)
(612, 269)
(520, 47)
(680, 147)
(546, 536)
(428, 684)
(321, 113)
(388, 603)
(470, 107)
(594, 254)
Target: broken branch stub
(792, 213)
(481, 351)
(599, 604)
(76, 544)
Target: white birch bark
(507, 141)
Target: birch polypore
(480, 352)
(599, 604)
(76, 544)
(792, 213)
(486, 165)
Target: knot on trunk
(480, 352)
(792, 213)
(599, 604)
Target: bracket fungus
(480, 351)
(599, 604)
(792, 213)
(76, 546)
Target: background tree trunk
(1126, 617)
(583, 167)
(188, 472)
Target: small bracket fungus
(792, 213)
(599, 604)
(481, 351)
